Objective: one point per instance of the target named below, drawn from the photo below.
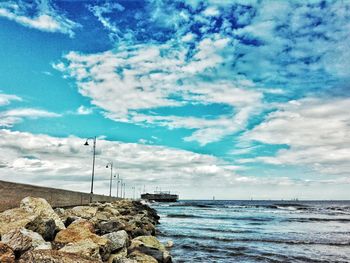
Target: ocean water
(256, 231)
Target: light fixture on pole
(93, 164)
(110, 165)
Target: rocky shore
(119, 232)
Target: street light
(110, 183)
(121, 188)
(124, 191)
(118, 181)
(93, 164)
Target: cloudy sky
(232, 99)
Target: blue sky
(237, 99)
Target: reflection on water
(257, 231)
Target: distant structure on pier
(160, 196)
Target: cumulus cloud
(316, 130)
(211, 52)
(45, 17)
(124, 82)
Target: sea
(256, 231)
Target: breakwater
(119, 232)
(11, 195)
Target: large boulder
(6, 254)
(15, 218)
(105, 227)
(42, 209)
(125, 260)
(116, 257)
(85, 212)
(142, 258)
(21, 240)
(86, 248)
(118, 239)
(53, 256)
(45, 227)
(80, 231)
(151, 246)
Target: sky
(232, 99)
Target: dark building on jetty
(160, 197)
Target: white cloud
(6, 99)
(82, 110)
(11, 117)
(317, 130)
(124, 81)
(100, 11)
(46, 18)
(40, 158)
(66, 163)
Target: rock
(150, 241)
(21, 240)
(167, 257)
(169, 244)
(142, 258)
(116, 257)
(80, 231)
(106, 227)
(86, 248)
(70, 219)
(53, 256)
(148, 245)
(41, 208)
(59, 211)
(126, 260)
(118, 239)
(111, 210)
(6, 254)
(15, 218)
(85, 212)
(45, 227)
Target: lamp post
(110, 183)
(93, 164)
(121, 188)
(118, 181)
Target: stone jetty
(119, 232)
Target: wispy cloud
(6, 99)
(10, 117)
(45, 16)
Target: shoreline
(122, 231)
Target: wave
(316, 219)
(183, 216)
(243, 218)
(216, 230)
(257, 240)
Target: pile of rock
(118, 232)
